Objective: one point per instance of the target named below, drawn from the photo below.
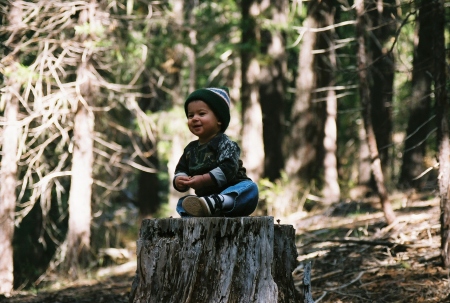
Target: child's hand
(180, 183)
(200, 181)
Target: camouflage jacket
(219, 157)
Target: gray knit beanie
(217, 98)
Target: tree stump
(244, 259)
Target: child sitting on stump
(211, 164)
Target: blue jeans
(245, 202)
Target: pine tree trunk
(246, 259)
(9, 149)
(326, 63)
(300, 144)
(381, 18)
(272, 90)
(8, 183)
(366, 113)
(420, 105)
(79, 229)
(364, 170)
(252, 146)
(442, 111)
(301, 150)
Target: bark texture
(364, 90)
(8, 180)
(420, 105)
(244, 259)
(252, 145)
(325, 84)
(272, 89)
(302, 140)
(443, 132)
(79, 232)
(284, 263)
(9, 150)
(381, 22)
(79, 229)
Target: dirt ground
(354, 257)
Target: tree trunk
(252, 130)
(382, 67)
(301, 145)
(8, 183)
(366, 108)
(79, 232)
(364, 170)
(420, 104)
(308, 148)
(301, 140)
(326, 63)
(272, 90)
(246, 259)
(79, 229)
(178, 139)
(442, 111)
(9, 148)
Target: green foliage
(90, 29)
(20, 73)
(216, 41)
(270, 192)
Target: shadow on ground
(115, 289)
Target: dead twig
(364, 242)
(349, 283)
(329, 274)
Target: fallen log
(244, 259)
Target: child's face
(202, 121)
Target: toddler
(211, 164)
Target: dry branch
(364, 242)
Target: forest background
(332, 101)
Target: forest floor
(354, 257)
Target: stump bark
(245, 259)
